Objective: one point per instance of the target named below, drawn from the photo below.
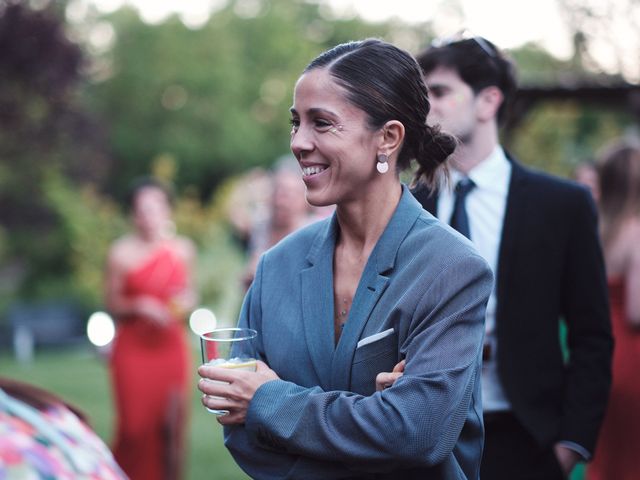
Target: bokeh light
(202, 320)
(100, 329)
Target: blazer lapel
(317, 302)
(515, 210)
(373, 283)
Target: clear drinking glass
(229, 348)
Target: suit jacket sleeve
(586, 312)
(418, 420)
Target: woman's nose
(301, 142)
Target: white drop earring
(382, 166)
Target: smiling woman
(340, 301)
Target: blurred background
(197, 93)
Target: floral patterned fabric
(53, 444)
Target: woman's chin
(319, 200)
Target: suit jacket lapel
(317, 302)
(515, 210)
(373, 283)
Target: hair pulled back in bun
(386, 83)
(434, 151)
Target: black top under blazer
(550, 267)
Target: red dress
(150, 367)
(618, 448)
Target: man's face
(453, 103)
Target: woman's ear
(392, 137)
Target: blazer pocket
(371, 359)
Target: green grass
(81, 377)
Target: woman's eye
(322, 124)
(295, 124)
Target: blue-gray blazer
(426, 288)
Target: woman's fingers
(237, 412)
(386, 379)
(220, 403)
(213, 387)
(219, 374)
(399, 367)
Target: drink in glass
(229, 348)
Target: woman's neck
(362, 223)
(151, 238)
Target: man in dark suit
(539, 233)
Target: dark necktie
(459, 219)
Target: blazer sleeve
(418, 420)
(586, 312)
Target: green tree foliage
(215, 98)
(43, 128)
(88, 222)
(556, 136)
(537, 67)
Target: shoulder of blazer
(545, 182)
(551, 190)
(302, 242)
(534, 199)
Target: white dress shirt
(485, 206)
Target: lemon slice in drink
(249, 365)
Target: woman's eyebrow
(323, 111)
(315, 111)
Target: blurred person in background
(247, 204)
(586, 173)
(149, 291)
(616, 455)
(43, 437)
(287, 210)
(539, 234)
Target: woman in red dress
(616, 455)
(149, 291)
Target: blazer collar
(386, 249)
(333, 365)
(316, 283)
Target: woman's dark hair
(386, 83)
(619, 178)
(140, 184)
(479, 64)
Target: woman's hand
(236, 390)
(182, 303)
(153, 310)
(386, 379)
